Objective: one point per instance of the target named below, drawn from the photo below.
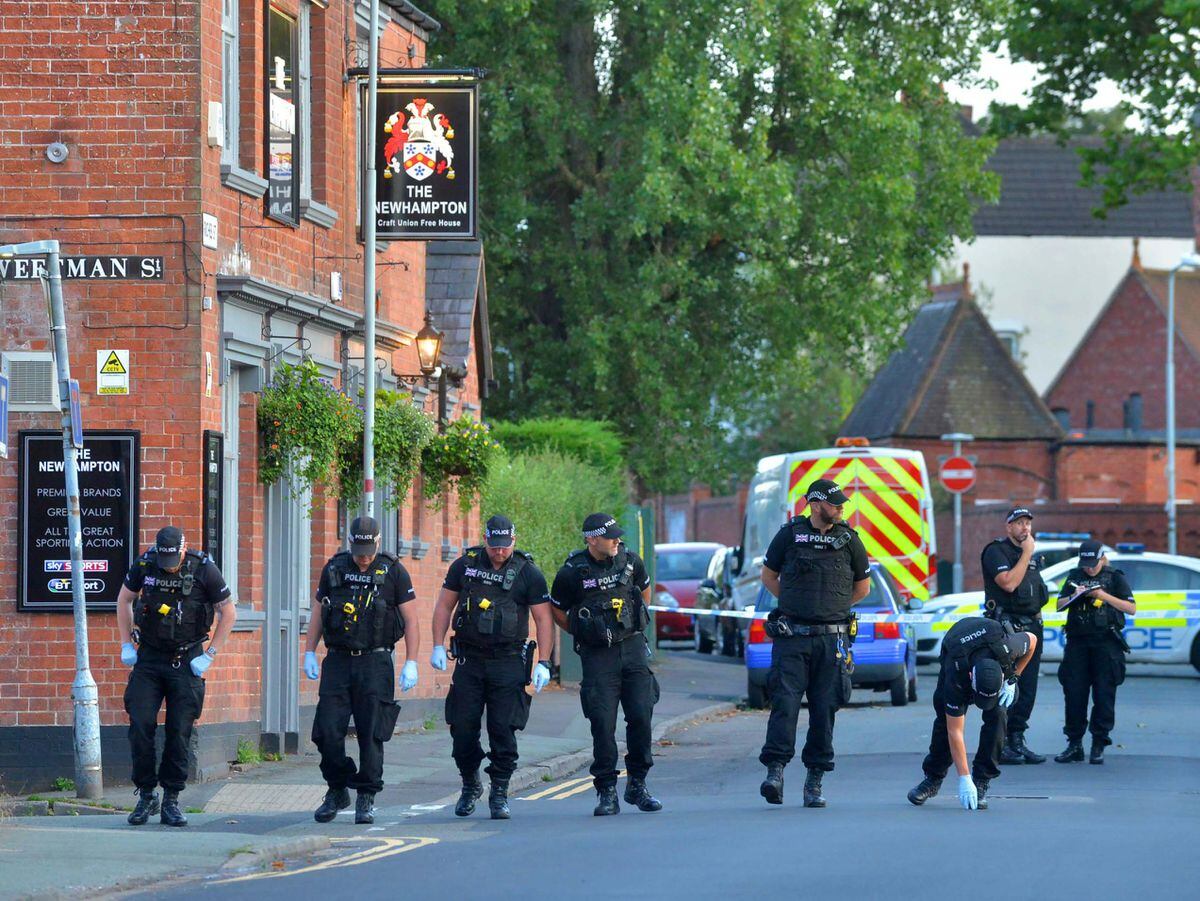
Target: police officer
(1014, 594)
(364, 610)
(817, 566)
(600, 596)
(490, 592)
(164, 612)
(1096, 598)
(981, 662)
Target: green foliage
(401, 433)
(592, 442)
(431, 722)
(547, 495)
(304, 421)
(63, 784)
(459, 458)
(702, 189)
(248, 752)
(1151, 50)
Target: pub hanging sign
(426, 152)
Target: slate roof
(952, 374)
(1040, 195)
(456, 296)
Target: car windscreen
(681, 565)
(1049, 558)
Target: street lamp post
(368, 487)
(1191, 261)
(958, 438)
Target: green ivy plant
(304, 422)
(401, 434)
(459, 458)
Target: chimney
(1136, 262)
(966, 279)
(966, 113)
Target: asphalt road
(1062, 831)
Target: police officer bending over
(600, 596)
(489, 592)
(1096, 598)
(364, 611)
(817, 566)
(1014, 594)
(165, 608)
(981, 661)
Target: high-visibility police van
(890, 505)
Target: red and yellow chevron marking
(885, 508)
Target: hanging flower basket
(458, 459)
(402, 432)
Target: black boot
(606, 804)
(981, 787)
(472, 788)
(498, 800)
(1073, 753)
(171, 815)
(927, 788)
(812, 789)
(147, 806)
(1017, 743)
(772, 786)
(364, 808)
(1097, 755)
(1009, 755)
(335, 799)
(637, 794)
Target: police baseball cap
(168, 546)
(499, 532)
(364, 536)
(987, 678)
(826, 490)
(1016, 513)
(1090, 552)
(601, 525)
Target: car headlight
(666, 599)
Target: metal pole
(368, 504)
(1171, 543)
(958, 567)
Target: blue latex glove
(1008, 694)
(128, 654)
(541, 676)
(312, 669)
(968, 797)
(437, 659)
(201, 664)
(408, 676)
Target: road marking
(428, 806)
(576, 789)
(385, 847)
(556, 788)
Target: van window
(763, 518)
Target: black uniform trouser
(158, 676)
(362, 687)
(497, 683)
(1095, 664)
(619, 674)
(804, 663)
(1027, 682)
(986, 764)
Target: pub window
(304, 74)
(283, 143)
(230, 92)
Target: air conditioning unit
(32, 381)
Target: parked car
(720, 634)
(679, 568)
(885, 654)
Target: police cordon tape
(1191, 615)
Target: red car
(678, 571)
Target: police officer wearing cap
(1014, 594)
(600, 596)
(981, 662)
(489, 593)
(164, 612)
(817, 566)
(1096, 598)
(364, 597)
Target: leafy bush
(547, 495)
(592, 441)
(401, 434)
(459, 458)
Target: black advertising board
(214, 460)
(426, 172)
(108, 495)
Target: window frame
(268, 93)
(231, 92)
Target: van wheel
(899, 690)
(912, 689)
(1196, 652)
(756, 695)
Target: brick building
(172, 117)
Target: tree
(679, 194)
(1151, 50)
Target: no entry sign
(957, 474)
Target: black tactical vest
(356, 616)
(816, 584)
(1084, 620)
(968, 636)
(1028, 598)
(611, 608)
(171, 612)
(487, 613)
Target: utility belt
(351, 653)
(176, 655)
(781, 625)
(1019, 621)
(463, 650)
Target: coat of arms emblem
(419, 145)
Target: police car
(1165, 586)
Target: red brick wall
(1129, 474)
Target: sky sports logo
(64, 566)
(63, 586)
